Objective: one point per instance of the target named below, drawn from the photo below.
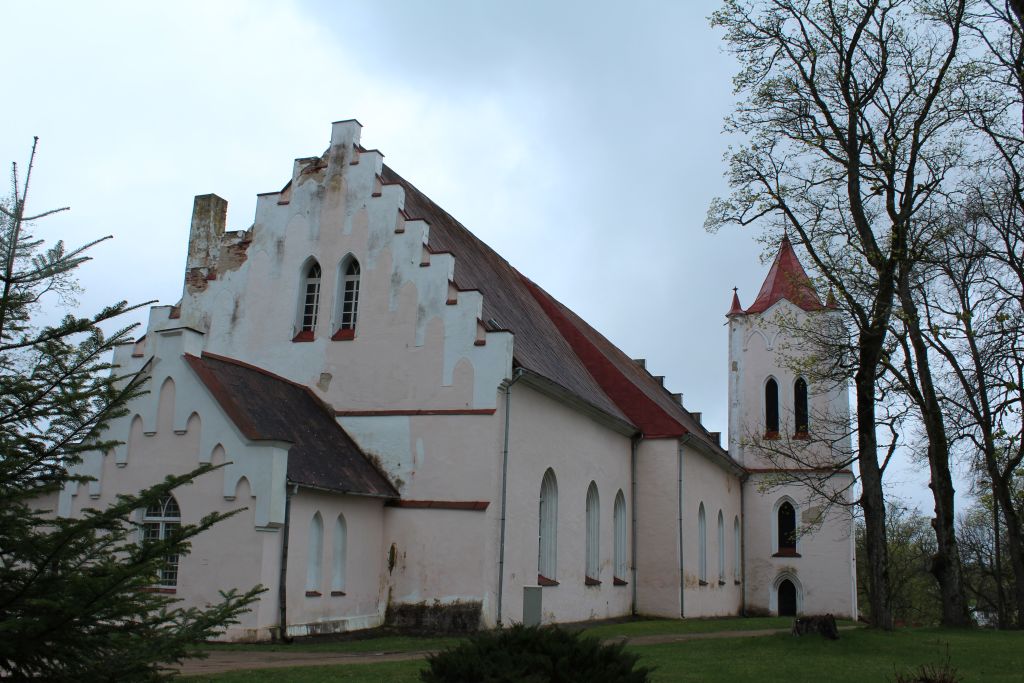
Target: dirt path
(239, 660)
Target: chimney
(697, 416)
(717, 436)
(209, 217)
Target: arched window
(702, 539)
(800, 407)
(737, 551)
(162, 518)
(593, 536)
(310, 302)
(548, 530)
(787, 528)
(314, 555)
(339, 552)
(619, 522)
(721, 548)
(348, 299)
(771, 408)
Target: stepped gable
(266, 407)
(786, 280)
(539, 347)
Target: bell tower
(788, 429)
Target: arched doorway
(787, 599)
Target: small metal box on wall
(531, 605)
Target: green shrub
(523, 654)
(931, 673)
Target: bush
(931, 673)
(544, 654)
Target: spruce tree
(76, 598)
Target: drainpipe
(635, 444)
(516, 375)
(282, 586)
(682, 574)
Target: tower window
(771, 408)
(310, 303)
(800, 407)
(787, 529)
(348, 300)
(162, 518)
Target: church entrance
(787, 599)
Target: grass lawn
(860, 655)
(654, 627)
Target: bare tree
(851, 131)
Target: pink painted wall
(657, 542)
(718, 489)
(546, 434)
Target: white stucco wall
(543, 434)
(657, 544)
(704, 481)
(763, 346)
(824, 573)
(364, 601)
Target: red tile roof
(786, 280)
(550, 339)
(266, 407)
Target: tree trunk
(1015, 542)
(872, 500)
(946, 562)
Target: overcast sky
(581, 140)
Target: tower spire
(735, 309)
(787, 280)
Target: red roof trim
(631, 400)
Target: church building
(421, 435)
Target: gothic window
(348, 299)
(593, 535)
(619, 522)
(800, 407)
(787, 528)
(310, 301)
(771, 408)
(737, 551)
(162, 518)
(702, 540)
(339, 552)
(548, 530)
(721, 548)
(314, 555)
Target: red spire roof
(786, 280)
(736, 308)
